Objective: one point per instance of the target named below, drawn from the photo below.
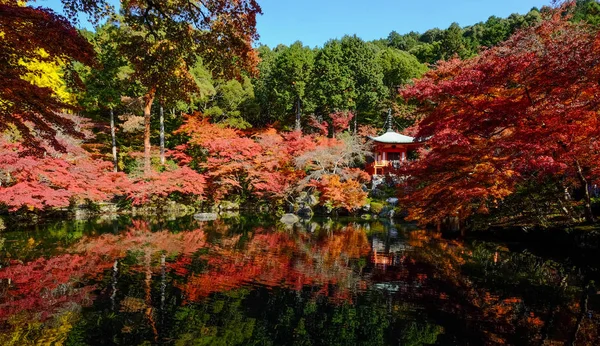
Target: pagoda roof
(392, 137)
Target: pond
(251, 281)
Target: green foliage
(399, 67)
(288, 80)
(587, 10)
(231, 103)
(107, 84)
(332, 86)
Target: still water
(251, 281)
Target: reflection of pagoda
(389, 250)
(391, 267)
(390, 150)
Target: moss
(376, 207)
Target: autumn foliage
(29, 35)
(522, 111)
(274, 166)
(77, 177)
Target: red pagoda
(390, 150)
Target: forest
(171, 105)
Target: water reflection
(248, 282)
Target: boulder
(392, 200)
(205, 216)
(305, 212)
(289, 219)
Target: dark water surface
(249, 281)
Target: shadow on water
(249, 280)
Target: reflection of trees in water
(326, 284)
(487, 293)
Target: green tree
(495, 30)
(587, 10)
(403, 42)
(288, 81)
(453, 43)
(107, 84)
(399, 68)
(332, 84)
(264, 95)
(427, 52)
(361, 59)
(231, 103)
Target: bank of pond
(250, 280)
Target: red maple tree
(520, 111)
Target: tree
(57, 179)
(107, 84)
(519, 112)
(403, 42)
(289, 78)
(346, 76)
(335, 193)
(35, 35)
(361, 59)
(332, 85)
(399, 68)
(587, 10)
(162, 41)
(265, 97)
(330, 166)
(232, 103)
(452, 42)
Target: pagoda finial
(389, 120)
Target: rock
(366, 208)
(305, 213)
(377, 180)
(205, 216)
(306, 199)
(82, 214)
(385, 212)
(312, 200)
(392, 200)
(289, 219)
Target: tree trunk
(298, 128)
(589, 289)
(162, 136)
(114, 140)
(148, 99)
(163, 286)
(587, 203)
(115, 275)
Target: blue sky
(314, 22)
